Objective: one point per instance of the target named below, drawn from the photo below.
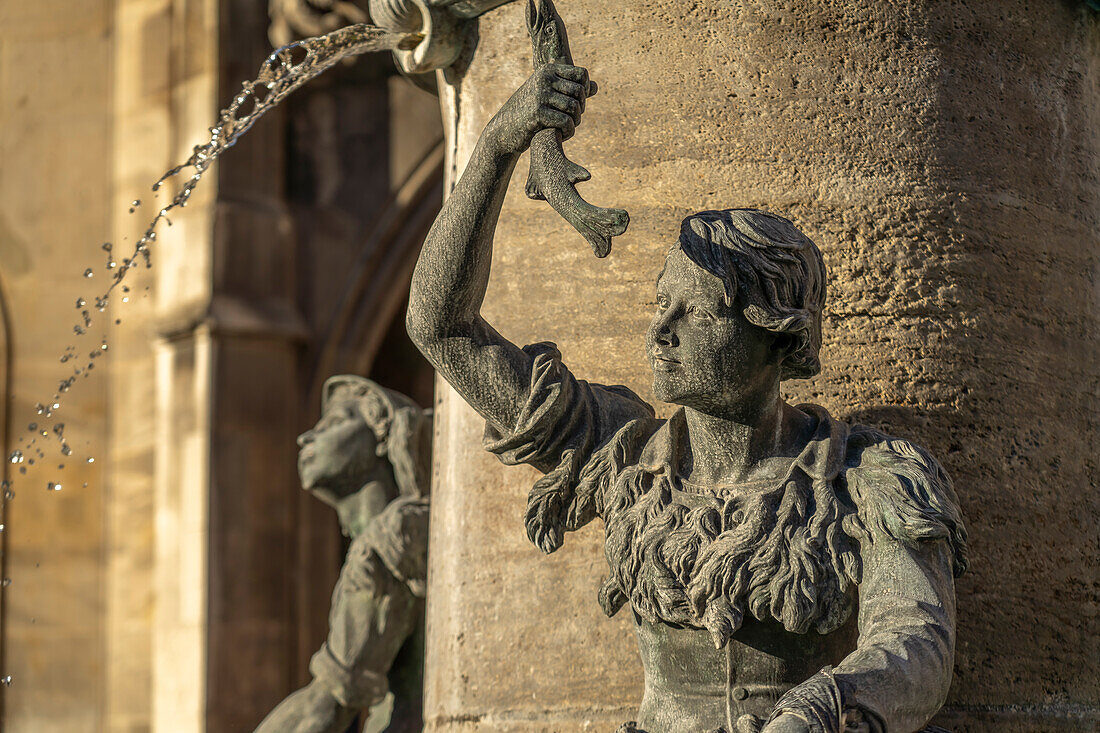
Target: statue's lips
(664, 363)
(305, 457)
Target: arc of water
(282, 72)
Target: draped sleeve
(576, 433)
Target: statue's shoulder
(398, 538)
(901, 491)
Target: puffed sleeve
(568, 429)
(912, 546)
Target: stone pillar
(946, 158)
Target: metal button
(740, 693)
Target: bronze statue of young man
(368, 457)
(743, 533)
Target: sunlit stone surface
(944, 156)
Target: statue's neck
(729, 449)
(355, 511)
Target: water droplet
(61, 465)
(16, 456)
(6, 680)
(135, 202)
(103, 345)
(1, 528)
(32, 427)
(78, 330)
(118, 321)
(9, 495)
(85, 484)
(91, 459)
(23, 470)
(30, 461)
(66, 450)
(51, 486)
(111, 264)
(80, 302)
(88, 272)
(106, 247)
(126, 299)
(39, 408)
(56, 405)
(5, 582)
(59, 429)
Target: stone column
(946, 158)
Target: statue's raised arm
(448, 286)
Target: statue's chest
(716, 561)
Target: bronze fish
(552, 175)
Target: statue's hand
(787, 723)
(553, 97)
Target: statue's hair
(403, 428)
(777, 270)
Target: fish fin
(599, 226)
(532, 188)
(576, 173)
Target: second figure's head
(366, 433)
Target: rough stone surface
(946, 158)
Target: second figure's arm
(448, 286)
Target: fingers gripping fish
(552, 175)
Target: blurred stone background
(186, 586)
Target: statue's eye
(699, 313)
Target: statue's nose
(663, 332)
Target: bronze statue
(786, 571)
(368, 457)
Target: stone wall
(55, 160)
(946, 158)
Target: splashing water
(284, 71)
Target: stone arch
(378, 283)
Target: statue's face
(704, 354)
(338, 454)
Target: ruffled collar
(822, 458)
(706, 560)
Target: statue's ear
(784, 344)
